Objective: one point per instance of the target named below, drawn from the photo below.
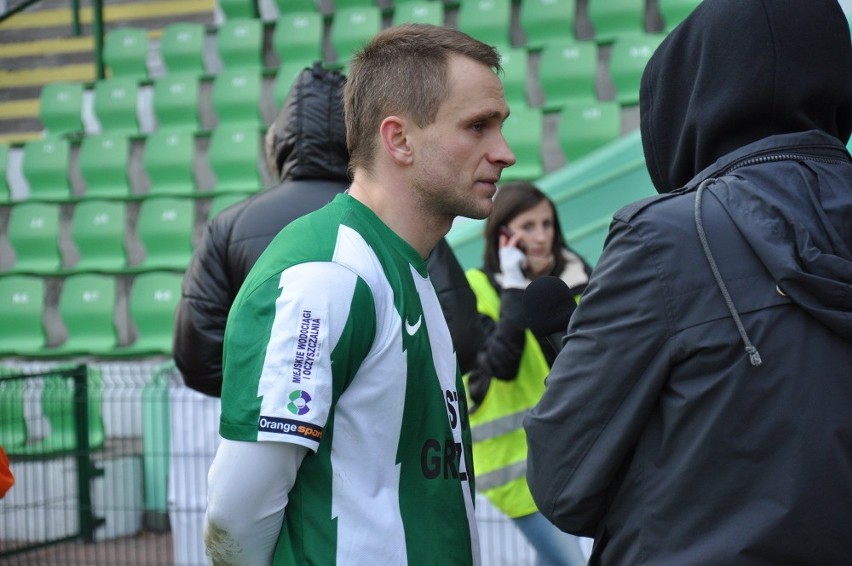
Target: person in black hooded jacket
(306, 146)
(699, 412)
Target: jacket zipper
(782, 157)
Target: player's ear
(394, 134)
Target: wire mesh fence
(110, 462)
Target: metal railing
(97, 26)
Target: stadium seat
(126, 52)
(346, 4)
(236, 97)
(288, 6)
(22, 330)
(614, 18)
(627, 62)
(298, 38)
(151, 305)
(544, 21)
(13, 423)
(98, 230)
(568, 71)
(674, 11)
(515, 65)
(58, 406)
(87, 310)
(177, 101)
(182, 48)
(523, 131)
(165, 228)
(168, 159)
(116, 103)
(220, 202)
(103, 162)
(285, 76)
(46, 167)
(60, 108)
(238, 8)
(352, 28)
(233, 156)
(33, 234)
(586, 126)
(487, 20)
(418, 11)
(239, 42)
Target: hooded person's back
(306, 146)
(699, 412)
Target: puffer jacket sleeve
(457, 302)
(202, 312)
(602, 387)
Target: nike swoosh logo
(413, 328)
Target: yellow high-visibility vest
(499, 441)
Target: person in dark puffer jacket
(306, 147)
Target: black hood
(309, 134)
(736, 71)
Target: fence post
(86, 470)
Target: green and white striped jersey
(337, 342)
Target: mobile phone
(506, 231)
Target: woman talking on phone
(523, 241)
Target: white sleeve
(248, 484)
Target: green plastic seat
(285, 76)
(177, 101)
(288, 6)
(298, 38)
(236, 97)
(87, 311)
(614, 18)
(182, 47)
(544, 21)
(352, 28)
(233, 155)
(58, 404)
(22, 300)
(524, 131)
(46, 169)
(151, 305)
(239, 42)
(515, 65)
(168, 159)
(238, 8)
(586, 126)
(98, 229)
(33, 233)
(489, 21)
(116, 103)
(627, 62)
(60, 108)
(104, 161)
(126, 52)
(674, 11)
(165, 228)
(13, 424)
(568, 71)
(418, 11)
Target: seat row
(115, 165)
(87, 319)
(102, 235)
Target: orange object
(7, 480)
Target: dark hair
(511, 200)
(402, 71)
